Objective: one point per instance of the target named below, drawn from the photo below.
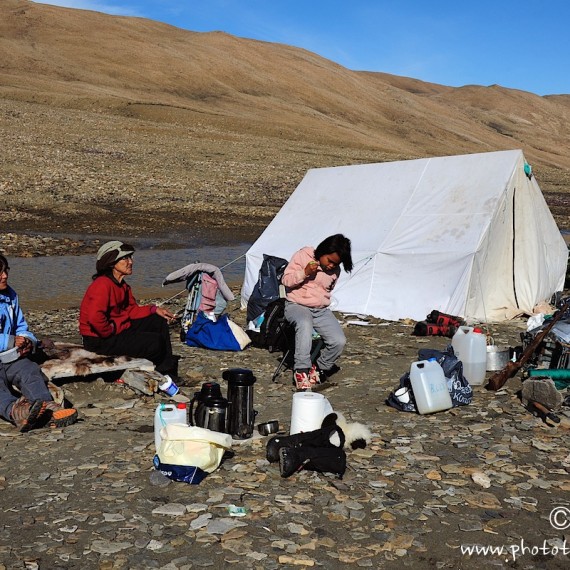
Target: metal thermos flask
(241, 417)
(211, 408)
(215, 414)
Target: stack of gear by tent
(202, 323)
(548, 368)
(552, 356)
(544, 360)
(438, 324)
(207, 291)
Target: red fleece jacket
(108, 307)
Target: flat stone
(170, 509)
(223, 525)
(109, 547)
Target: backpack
(271, 333)
(266, 290)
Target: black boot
(317, 438)
(322, 459)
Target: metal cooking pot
(497, 357)
(268, 428)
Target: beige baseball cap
(111, 252)
(121, 249)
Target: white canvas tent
(468, 235)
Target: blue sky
(520, 44)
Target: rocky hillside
(103, 114)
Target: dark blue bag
(459, 389)
(217, 335)
(183, 473)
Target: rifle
(544, 412)
(499, 379)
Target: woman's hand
(165, 314)
(23, 344)
(311, 268)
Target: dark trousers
(146, 338)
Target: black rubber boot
(322, 459)
(317, 438)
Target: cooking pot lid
(209, 390)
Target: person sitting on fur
(309, 279)
(111, 322)
(32, 406)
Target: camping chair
(193, 286)
(276, 334)
(287, 331)
(266, 300)
(207, 291)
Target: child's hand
(311, 268)
(23, 344)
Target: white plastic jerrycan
(429, 386)
(168, 414)
(470, 346)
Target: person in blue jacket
(25, 399)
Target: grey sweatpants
(305, 319)
(27, 377)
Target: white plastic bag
(534, 321)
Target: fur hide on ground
(66, 360)
(357, 435)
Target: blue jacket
(12, 321)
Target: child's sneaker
(60, 416)
(302, 381)
(27, 415)
(314, 376)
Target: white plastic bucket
(430, 387)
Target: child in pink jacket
(309, 280)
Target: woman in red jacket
(113, 323)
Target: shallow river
(56, 282)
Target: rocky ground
(426, 489)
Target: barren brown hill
(125, 119)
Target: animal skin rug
(66, 360)
(357, 435)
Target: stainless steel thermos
(235, 414)
(211, 408)
(241, 416)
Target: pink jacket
(314, 291)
